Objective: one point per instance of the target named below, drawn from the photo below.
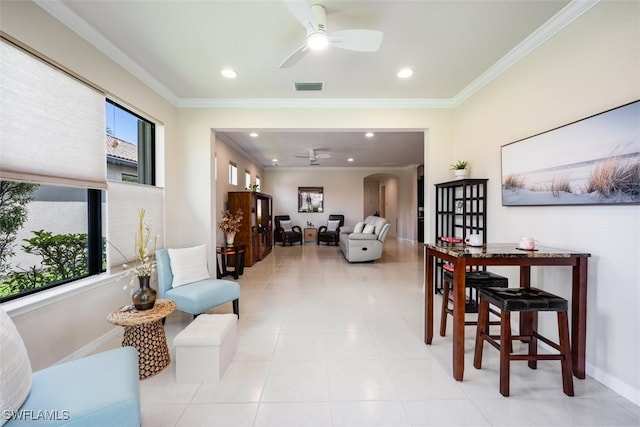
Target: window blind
(52, 126)
(123, 202)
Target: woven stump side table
(144, 331)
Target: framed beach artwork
(595, 160)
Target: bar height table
(506, 254)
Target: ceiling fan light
(405, 73)
(229, 73)
(317, 40)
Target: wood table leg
(579, 317)
(525, 317)
(428, 297)
(459, 303)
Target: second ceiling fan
(314, 19)
(313, 156)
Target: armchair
(285, 232)
(198, 294)
(102, 389)
(330, 233)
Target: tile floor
(325, 343)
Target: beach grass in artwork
(591, 161)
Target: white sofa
(362, 247)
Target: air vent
(308, 86)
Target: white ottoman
(205, 348)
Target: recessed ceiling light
(253, 134)
(229, 73)
(405, 73)
(274, 160)
(369, 134)
(350, 159)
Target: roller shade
(123, 202)
(52, 126)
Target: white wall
(343, 193)
(589, 67)
(196, 124)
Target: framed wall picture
(595, 160)
(310, 199)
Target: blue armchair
(98, 390)
(196, 297)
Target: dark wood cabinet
(460, 210)
(256, 230)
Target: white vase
(461, 173)
(231, 237)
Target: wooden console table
(506, 254)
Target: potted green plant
(460, 169)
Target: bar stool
(531, 301)
(474, 280)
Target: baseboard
(93, 346)
(617, 386)
(623, 389)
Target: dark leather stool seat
(524, 299)
(529, 301)
(474, 280)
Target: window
(247, 179)
(233, 173)
(52, 175)
(258, 182)
(51, 235)
(130, 146)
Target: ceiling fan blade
(358, 40)
(295, 57)
(323, 156)
(300, 9)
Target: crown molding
(69, 18)
(550, 28)
(559, 21)
(314, 103)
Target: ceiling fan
(314, 19)
(313, 156)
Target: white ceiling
(454, 47)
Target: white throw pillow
(359, 227)
(188, 265)
(286, 225)
(332, 225)
(15, 369)
(369, 229)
